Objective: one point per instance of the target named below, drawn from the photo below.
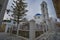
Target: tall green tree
(19, 10)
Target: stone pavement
(4, 36)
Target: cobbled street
(4, 36)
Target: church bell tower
(44, 10)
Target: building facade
(3, 5)
(56, 4)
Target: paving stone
(4, 36)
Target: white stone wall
(32, 30)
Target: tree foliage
(19, 9)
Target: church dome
(38, 14)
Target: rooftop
(38, 14)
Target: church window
(14, 22)
(38, 16)
(43, 5)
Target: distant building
(3, 5)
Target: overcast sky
(34, 8)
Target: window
(44, 21)
(14, 22)
(43, 5)
(38, 16)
